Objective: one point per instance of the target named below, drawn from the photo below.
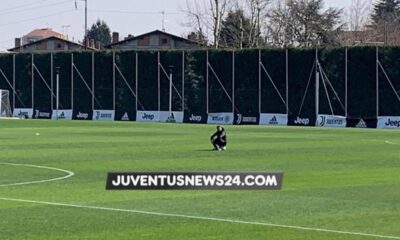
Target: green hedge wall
(389, 58)
(274, 60)
(333, 63)
(246, 81)
(63, 62)
(42, 81)
(361, 80)
(82, 95)
(301, 62)
(171, 61)
(126, 62)
(103, 87)
(195, 82)
(221, 62)
(23, 80)
(6, 65)
(148, 82)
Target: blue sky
(18, 17)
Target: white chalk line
(391, 143)
(202, 218)
(69, 174)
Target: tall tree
(100, 32)
(304, 23)
(236, 30)
(198, 37)
(357, 23)
(207, 14)
(256, 12)
(385, 10)
(386, 21)
(195, 20)
(358, 14)
(218, 9)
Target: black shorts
(219, 142)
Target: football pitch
(338, 183)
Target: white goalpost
(5, 107)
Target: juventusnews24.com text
(132, 181)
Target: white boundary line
(391, 143)
(69, 174)
(202, 218)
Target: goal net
(5, 108)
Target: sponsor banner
(389, 122)
(148, 116)
(159, 116)
(23, 113)
(125, 116)
(245, 119)
(38, 114)
(103, 115)
(61, 115)
(171, 117)
(194, 180)
(301, 121)
(273, 119)
(331, 121)
(195, 118)
(220, 118)
(82, 115)
(361, 122)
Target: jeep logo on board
(82, 115)
(392, 123)
(22, 114)
(302, 121)
(146, 116)
(195, 118)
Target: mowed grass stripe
(344, 179)
(203, 218)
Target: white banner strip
(159, 116)
(273, 119)
(62, 114)
(23, 112)
(103, 115)
(220, 118)
(331, 121)
(389, 122)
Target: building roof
(46, 39)
(44, 33)
(150, 33)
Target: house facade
(39, 34)
(49, 44)
(153, 40)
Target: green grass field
(344, 180)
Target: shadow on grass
(204, 150)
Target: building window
(59, 46)
(164, 41)
(144, 41)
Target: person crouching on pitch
(218, 139)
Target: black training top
(221, 135)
